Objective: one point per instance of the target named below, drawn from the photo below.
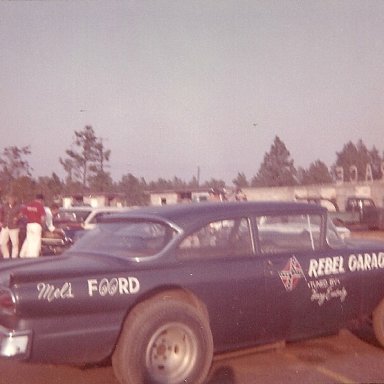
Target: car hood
(26, 270)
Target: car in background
(54, 243)
(359, 212)
(70, 224)
(76, 219)
(333, 209)
(159, 290)
(362, 212)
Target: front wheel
(164, 342)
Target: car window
(285, 233)
(126, 239)
(334, 240)
(218, 239)
(65, 216)
(96, 217)
(73, 215)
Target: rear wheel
(164, 341)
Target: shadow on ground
(222, 375)
(366, 334)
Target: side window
(285, 233)
(333, 238)
(94, 218)
(218, 239)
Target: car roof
(184, 215)
(94, 209)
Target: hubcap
(171, 354)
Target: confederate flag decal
(291, 274)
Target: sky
(177, 86)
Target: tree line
(86, 165)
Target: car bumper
(15, 343)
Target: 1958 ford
(159, 290)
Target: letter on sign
(339, 171)
(353, 174)
(368, 173)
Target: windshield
(125, 239)
(72, 215)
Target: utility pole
(198, 176)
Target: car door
(301, 301)
(220, 266)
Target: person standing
(10, 214)
(35, 214)
(50, 213)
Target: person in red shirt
(35, 215)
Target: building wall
(95, 201)
(163, 198)
(174, 197)
(339, 192)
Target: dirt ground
(343, 358)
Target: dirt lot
(343, 358)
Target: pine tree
(277, 168)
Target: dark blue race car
(159, 290)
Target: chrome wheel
(171, 354)
(165, 340)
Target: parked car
(333, 209)
(159, 290)
(360, 212)
(55, 242)
(74, 220)
(70, 224)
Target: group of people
(12, 217)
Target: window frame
(314, 247)
(200, 253)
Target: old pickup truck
(360, 212)
(158, 291)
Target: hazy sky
(173, 85)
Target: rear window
(126, 239)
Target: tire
(164, 341)
(381, 222)
(378, 323)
